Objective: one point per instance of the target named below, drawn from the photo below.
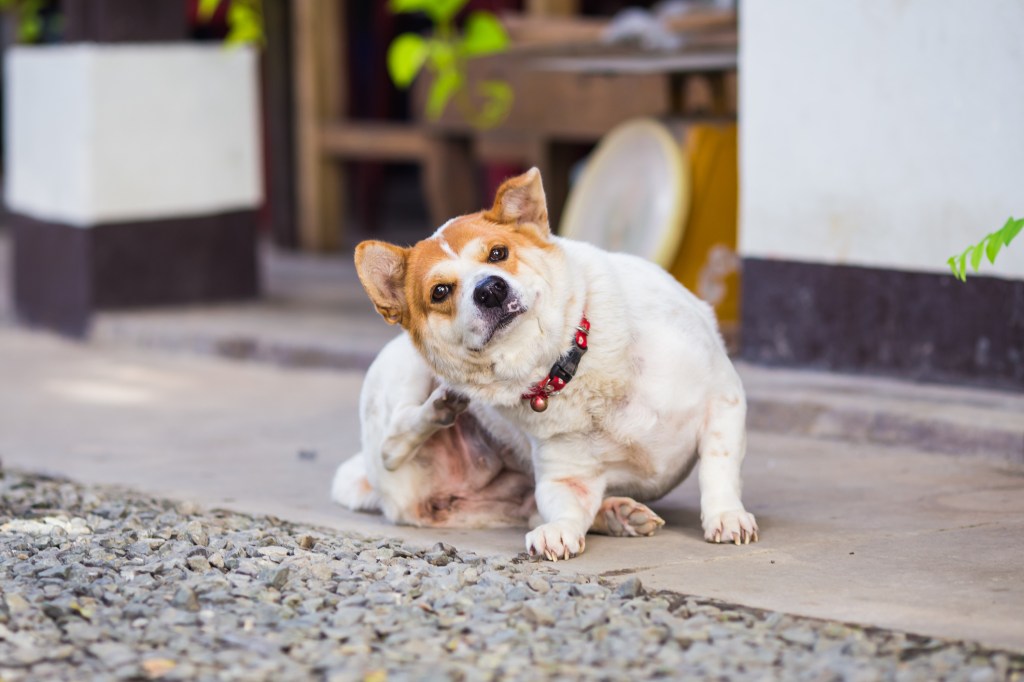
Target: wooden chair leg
(450, 178)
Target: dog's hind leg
(351, 488)
(411, 425)
(625, 517)
(721, 448)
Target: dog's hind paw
(350, 487)
(737, 526)
(624, 516)
(447, 405)
(555, 540)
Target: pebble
(631, 587)
(275, 577)
(538, 614)
(185, 598)
(197, 534)
(538, 584)
(112, 585)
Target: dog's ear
(381, 269)
(521, 200)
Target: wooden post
(319, 99)
(554, 160)
(450, 178)
(278, 101)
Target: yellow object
(707, 263)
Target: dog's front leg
(569, 493)
(721, 450)
(411, 425)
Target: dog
(540, 374)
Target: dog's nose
(491, 292)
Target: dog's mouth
(509, 312)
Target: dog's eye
(498, 253)
(440, 292)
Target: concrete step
(877, 411)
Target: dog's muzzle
(498, 305)
(491, 292)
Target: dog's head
(469, 294)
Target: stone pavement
(858, 524)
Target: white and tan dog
(629, 365)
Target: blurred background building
(806, 167)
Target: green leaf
(245, 23)
(483, 34)
(498, 103)
(402, 6)
(30, 28)
(406, 55)
(207, 8)
(440, 11)
(952, 266)
(992, 247)
(447, 84)
(976, 253)
(1011, 231)
(244, 35)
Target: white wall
(886, 133)
(105, 133)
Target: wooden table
(564, 97)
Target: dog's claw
(734, 526)
(556, 540)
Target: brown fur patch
(639, 461)
(578, 487)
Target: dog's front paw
(448, 405)
(737, 526)
(555, 540)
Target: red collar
(562, 371)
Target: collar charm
(561, 372)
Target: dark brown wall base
(921, 326)
(62, 274)
(124, 21)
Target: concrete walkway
(857, 525)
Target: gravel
(106, 584)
